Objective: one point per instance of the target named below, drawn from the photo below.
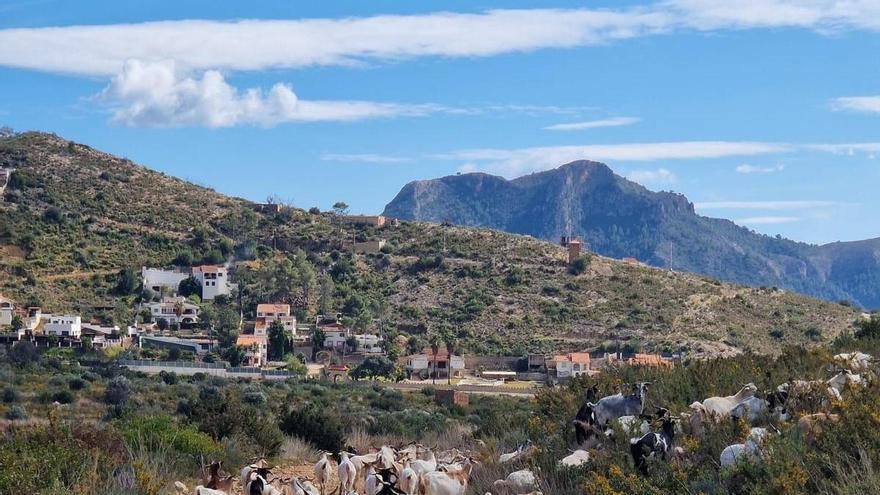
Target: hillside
(73, 217)
(619, 218)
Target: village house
(104, 337)
(367, 247)
(175, 310)
(33, 317)
(7, 311)
(63, 326)
(369, 344)
(157, 279)
(256, 349)
(213, 279)
(335, 333)
(371, 220)
(569, 365)
(268, 313)
(427, 364)
(198, 346)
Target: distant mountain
(619, 218)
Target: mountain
(74, 220)
(619, 218)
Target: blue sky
(767, 112)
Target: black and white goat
(652, 444)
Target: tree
(117, 391)
(17, 323)
(435, 347)
(296, 366)
(868, 328)
(352, 343)
(318, 340)
(234, 355)
(450, 349)
(374, 367)
(162, 323)
(127, 281)
(278, 341)
(340, 208)
(579, 265)
(327, 290)
(189, 286)
(24, 353)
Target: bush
(159, 433)
(10, 395)
(63, 397)
(118, 391)
(316, 426)
(77, 383)
(579, 265)
(24, 353)
(16, 412)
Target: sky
(766, 112)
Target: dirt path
(76, 275)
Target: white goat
(323, 471)
(199, 490)
(347, 473)
(422, 466)
(858, 361)
(372, 482)
(409, 480)
(720, 407)
(303, 488)
(257, 485)
(751, 448)
(518, 482)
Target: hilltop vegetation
(75, 219)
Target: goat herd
(416, 470)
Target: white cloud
(513, 162)
(867, 104)
(746, 168)
(762, 205)
(766, 220)
(158, 94)
(659, 176)
(364, 157)
(848, 149)
(593, 124)
(247, 45)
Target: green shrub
(159, 433)
(315, 425)
(16, 412)
(10, 394)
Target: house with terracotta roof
(569, 365)
(256, 349)
(335, 333)
(441, 365)
(214, 280)
(268, 313)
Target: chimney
(574, 250)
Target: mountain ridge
(620, 218)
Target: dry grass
(298, 451)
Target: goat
(522, 449)
(257, 485)
(810, 426)
(517, 482)
(720, 407)
(750, 448)
(409, 480)
(858, 361)
(215, 481)
(422, 466)
(303, 487)
(446, 482)
(575, 459)
(823, 391)
(642, 421)
(583, 422)
(347, 473)
(372, 481)
(323, 471)
(181, 489)
(652, 444)
(615, 406)
(755, 409)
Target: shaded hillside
(619, 218)
(74, 217)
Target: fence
(213, 369)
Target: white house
(440, 365)
(156, 279)
(174, 310)
(213, 279)
(103, 337)
(570, 365)
(7, 311)
(335, 333)
(268, 313)
(63, 326)
(369, 344)
(34, 316)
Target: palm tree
(435, 347)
